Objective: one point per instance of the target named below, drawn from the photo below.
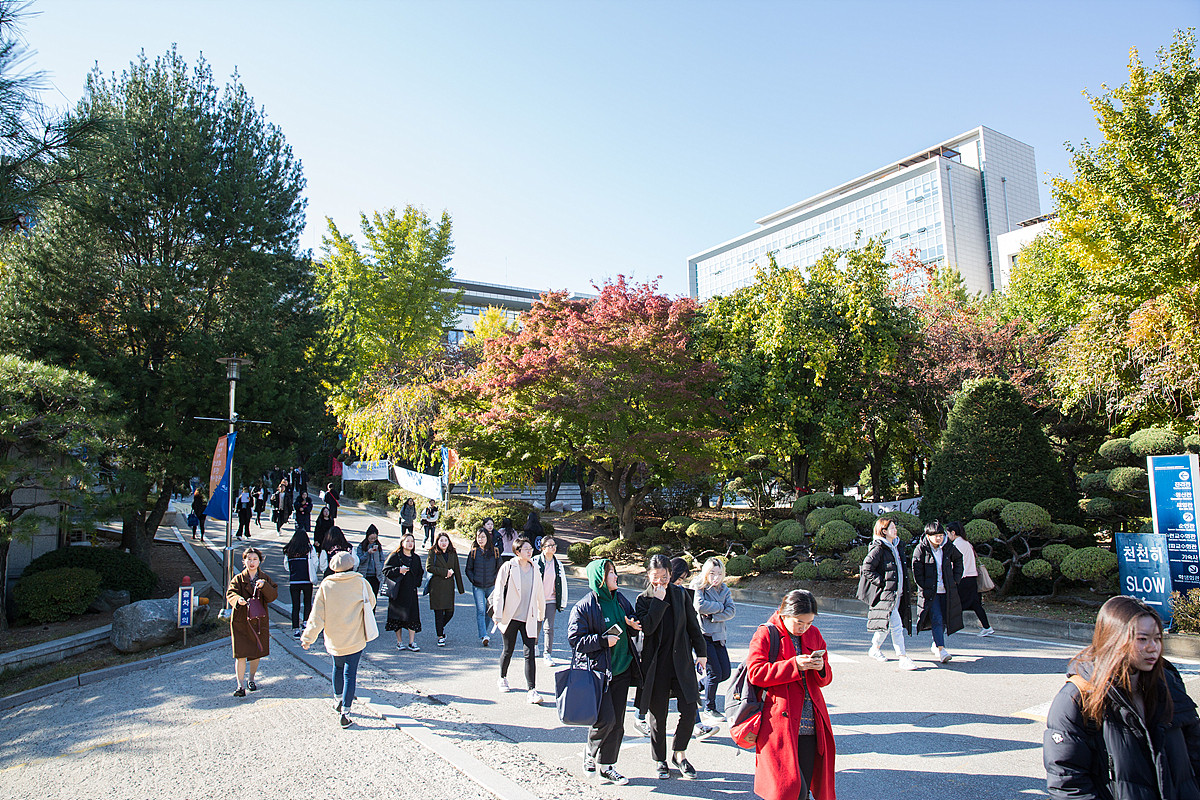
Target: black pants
(604, 738)
(441, 618)
(301, 593)
(430, 528)
(517, 628)
(660, 699)
(243, 525)
(806, 750)
(968, 595)
(374, 581)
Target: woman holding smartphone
(403, 568)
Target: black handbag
(577, 691)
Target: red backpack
(743, 700)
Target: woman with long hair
(370, 558)
(408, 515)
(714, 607)
(968, 587)
(442, 565)
(251, 635)
(518, 605)
(284, 494)
(403, 568)
(883, 587)
(324, 523)
(199, 504)
(1123, 727)
(304, 507)
(611, 656)
(506, 537)
(483, 562)
(937, 570)
(794, 752)
(260, 502)
(334, 542)
(303, 565)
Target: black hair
(298, 545)
(334, 538)
(933, 528)
(520, 542)
(367, 536)
(797, 602)
(955, 527)
(657, 561)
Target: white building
(478, 297)
(1009, 246)
(950, 203)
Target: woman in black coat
(1123, 727)
(671, 634)
(324, 523)
(937, 569)
(403, 568)
(883, 586)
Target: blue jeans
(718, 670)
(937, 616)
(345, 675)
(481, 598)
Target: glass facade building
(947, 203)
(478, 297)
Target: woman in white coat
(518, 605)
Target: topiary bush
(906, 523)
(762, 544)
(1055, 553)
(1037, 569)
(819, 516)
(1191, 443)
(1089, 564)
(603, 551)
(778, 527)
(819, 500)
(862, 520)
(981, 531)
(835, 536)
(772, 560)
(993, 447)
(1127, 479)
(1118, 452)
(600, 541)
(677, 525)
(856, 555)
(1095, 483)
(653, 536)
(830, 569)
(739, 565)
(1075, 535)
(1097, 507)
(791, 533)
(580, 553)
(990, 507)
(802, 505)
(805, 571)
(470, 515)
(1155, 442)
(705, 531)
(656, 550)
(1025, 517)
(117, 569)
(54, 595)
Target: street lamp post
(233, 372)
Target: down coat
(925, 577)
(877, 584)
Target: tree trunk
(618, 485)
(4, 545)
(800, 463)
(554, 479)
(144, 525)
(583, 476)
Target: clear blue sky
(574, 141)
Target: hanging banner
(425, 485)
(366, 471)
(218, 499)
(445, 467)
(1173, 482)
(1145, 570)
(336, 469)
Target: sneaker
(937, 651)
(239, 692)
(704, 731)
(714, 717)
(441, 641)
(345, 721)
(502, 684)
(413, 646)
(548, 661)
(533, 697)
(589, 763)
(296, 633)
(487, 640)
(641, 726)
(987, 632)
(686, 770)
(664, 771)
(251, 685)
(907, 664)
(610, 775)
(876, 654)
(338, 707)
(401, 647)
(944, 655)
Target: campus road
(971, 728)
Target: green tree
(54, 426)
(184, 249)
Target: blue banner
(1173, 482)
(218, 504)
(1145, 570)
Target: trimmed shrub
(1097, 507)
(830, 569)
(1128, 479)
(746, 531)
(1037, 569)
(677, 525)
(471, 515)
(819, 516)
(1185, 612)
(993, 447)
(603, 551)
(1095, 483)
(1025, 517)
(1118, 452)
(1089, 564)
(117, 569)
(772, 560)
(801, 505)
(547, 528)
(778, 527)
(762, 544)
(842, 500)
(791, 532)
(656, 550)
(994, 566)
(835, 536)
(860, 518)
(989, 507)
(1155, 442)
(652, 536)
(981, 531)
(56, 594)
(1075, 535)
(819, 500)
(739, 565)
(805, 571)
(855, 556)
(1191, 443)
(703, 530)
(906, 522)
(1055, 553)
(580, 553)
(600, 541)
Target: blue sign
(218, 504)
(1173, 485)
(183, 607)
(1145, 571)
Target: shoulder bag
(577, 691)
(369, 624)
(743, 701)
(984, 580)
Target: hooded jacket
(882, 586)
(587, 623)
(338, 607)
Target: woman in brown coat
(251, 637)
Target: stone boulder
(148, 623)
(109, 600)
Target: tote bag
(984, 581)
(577, 693)
(369, 623)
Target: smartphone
(820, 653)
(613, 630)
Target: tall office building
(949, 203)
(478, 297)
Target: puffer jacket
(1125, 758)
(877, 584)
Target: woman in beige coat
(344, 607)
(518, 605)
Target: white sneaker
(906, 663)
(549, 662)
(987, 632)
(944, 655)
(937, 651)
(876, 654)
(502, 684)
(533, 697)
(713, 717)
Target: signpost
(183, 606)
(1173, 502)
(1145, 571)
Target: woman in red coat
(795, 738)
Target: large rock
(110, 600)
(148, 623)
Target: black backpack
(743, 700)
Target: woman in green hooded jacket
(612, 657)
